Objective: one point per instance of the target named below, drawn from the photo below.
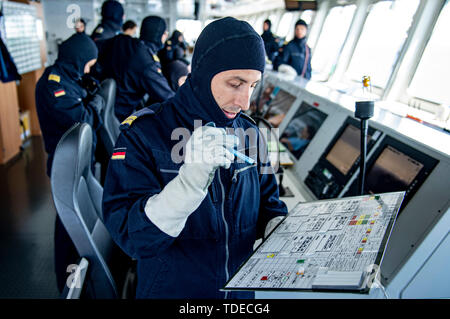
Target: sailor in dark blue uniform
(60, 103)
(174, 65)
(270, 41)
(296, 53)
(175, 197)
(134, 65)
(174, 49)
(111, 24)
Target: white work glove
(272, 224)
(206, 150)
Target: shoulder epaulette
(146, 111)
(248, 118)
(54, 77)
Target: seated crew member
(174, 65)
(270, 41)
(60, 103)
(296, 53)
(190, 225)
(174, 49)
(129, 28)
(135, 67)
(111, 24)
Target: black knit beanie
(225, 44)
(112, 10)
(152, 29)
(77, 50)
(301, 22)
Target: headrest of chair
(73, 156)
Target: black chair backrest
(78, 198)
(110, 121)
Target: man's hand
(206, 150)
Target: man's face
(232, 90)
(265, 26)
(300, 31)
(164, 36)
(79, 26)
(131, 32)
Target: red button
(264, 278)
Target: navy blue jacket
(294, 54)
(217, 238)
(135, 67)
(270, 44)
(107, 29)
(62, 102)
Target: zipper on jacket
(234, 178)
(227, 253)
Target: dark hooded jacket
(174, 71)
(296, 54)
(135, 67)
(60, 99)
(111, 24)
(220, 234)
(173, 50)
(270, 43)
(60, 103)
(173, 60)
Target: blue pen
(247, 159)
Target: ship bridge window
(330, 42)
(384, 33)
(285, 23)
(430, 79)
(190, 28)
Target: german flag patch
(119, 153)
(60, 93)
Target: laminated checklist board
(329, 245)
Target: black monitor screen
(302, 128)
(346, 150)
(392, 171)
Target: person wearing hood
(111, 24)
(61, 102)
(175, 197)
(134, 65)
(270, 41)
(174, 49)
(296, 53)
(174, 65)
